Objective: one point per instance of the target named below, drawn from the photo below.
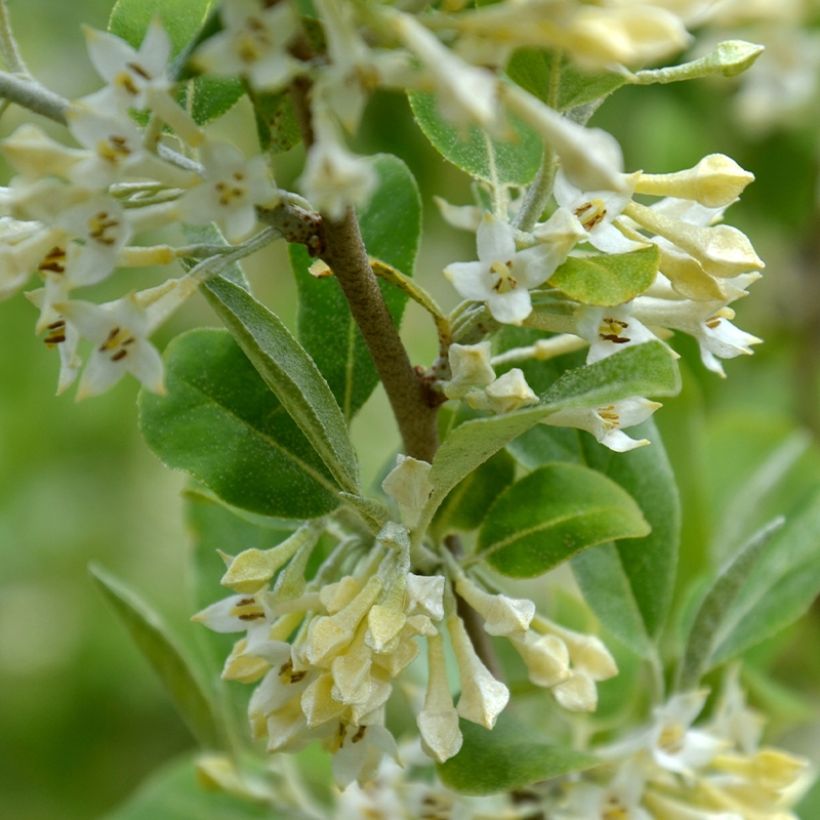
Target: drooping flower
(607, 422)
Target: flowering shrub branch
(583, 273)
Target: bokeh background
(82, 718)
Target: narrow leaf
(716, 604)
(506, 758)
(512, 161)
(550, 515)
(781, 587)
(150, 635)
(220, 423)
(173, 793)
(290, 373)
(607, 279)
(391, 226)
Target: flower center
(53, 261)
(609, 417)
(506, 281)
(113, 148)
(610, 330)
(715, 319)
(591, 213)
(671, 738)
(56, 333)
(231, 190)
(101, 226)
(117, 343)
(248, 610)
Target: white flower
(502, 276)
(502, 615)
(482, 698)
(409, 485)
(606, 422)
(119, 332)
(465, 94)
(138, 78)
(233, 186)
(62, 335)
(335, 179)
(708, 322)
(253, 43)
(116, 149)
(31, 152)
(609, 330)
(360, 750)
(438, 720)
(673, 743)
(596, 210)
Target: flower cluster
(327, 652)
(674, 769)
(72, 214)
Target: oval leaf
(606, 280)
(550, 515)
(467, 504)
(499, 162)
(531, 69)
(220, 423)
(182, 19)
(506, 758)
(290, 373)
(391, 226)
(150, 636)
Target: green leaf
(391, 226)
(213, 97)
(506, 758)
(291, 374)
(607, 279)
(150, 635)
(730, 58)
(550, 515)
(782, 585)
(647, 369)
(531, 69)
(710, 616)
(173, 793)
(467, 504)
(499, 162)
(220, 423)
(182, 19)
(642, 370)
(276, 123)
(629, 584)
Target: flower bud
(510, 392)
(577, 693)
(469, 367)
(502, 615)
(546, 657)
(408, 484)
(716, 181)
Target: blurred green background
(82, 719)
